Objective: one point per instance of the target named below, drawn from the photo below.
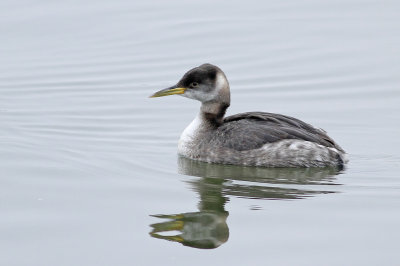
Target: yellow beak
(168, 91)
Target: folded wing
(252, 130)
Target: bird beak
(169, 91)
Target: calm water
(89, 170)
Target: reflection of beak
(175, 225)
(169, 91)
(176, 238)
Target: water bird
(249, 139)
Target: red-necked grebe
(254, 138)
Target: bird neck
(213, 112)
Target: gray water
(89, 170)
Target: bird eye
(194, 84)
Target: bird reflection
(207, 228)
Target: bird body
(251, 139)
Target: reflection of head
(204, 229)
(207, 228)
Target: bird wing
(252, 130)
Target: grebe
(251, 139)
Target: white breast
(188, 135)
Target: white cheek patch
(221, 82)
(189, 94)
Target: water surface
(89, 170)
